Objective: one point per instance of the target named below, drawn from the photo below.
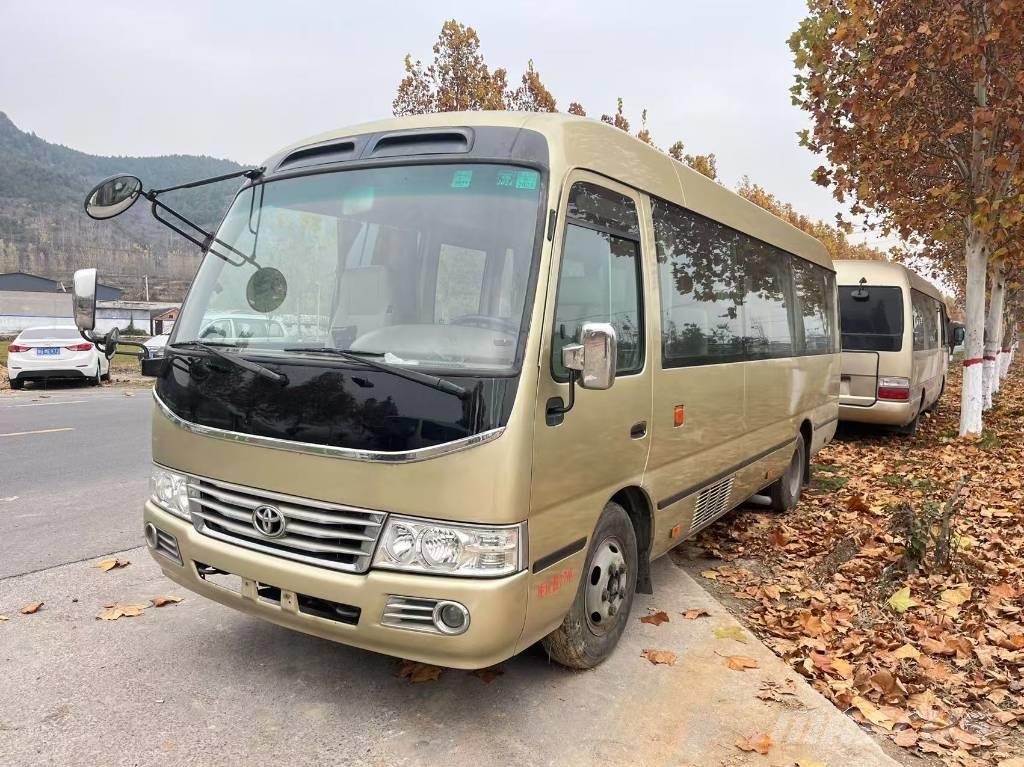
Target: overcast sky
(241, 79)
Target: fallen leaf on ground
(901, 600)
(956, 596)
(692, 615)
(871, 713)
(810, 763)
(110, 564)
(740, 662)
(415, 671)
(113, 612)
(730, 632)
(711, 575)
(31, 607)
(656, 618)
(759, 743)
(908, 651)
(488, 675)
(856, 503)
(1014, 761)
(906, 738)
(161, 601)
(657, 657)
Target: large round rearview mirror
(112, 197)
(266, 290)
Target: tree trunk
(1006, 347)
(993, 326)
(970, 402)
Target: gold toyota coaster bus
(896, 342)
(508, 360)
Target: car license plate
(47, 351)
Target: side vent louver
(712, 502)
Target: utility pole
(145, 277)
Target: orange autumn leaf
(655, 619)
(161, 601)
(692, 615)
(31, 608)
(760, 743)
(659, 657)
(417, 672)
(740, 662)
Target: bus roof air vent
(320, 154)
(447, 141)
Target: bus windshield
(416, 265)
(873, 322)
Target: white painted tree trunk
(993, 326)
(1006, 352)
(970, 401)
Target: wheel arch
(640, 510)
(807, 432)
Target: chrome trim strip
(329, 451)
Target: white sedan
(54, 352)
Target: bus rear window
(874, 323)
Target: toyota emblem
(269, 521)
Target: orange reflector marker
(674, 532)
(680, 416)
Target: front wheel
(785, 493)
(17, 384)
(600, 610)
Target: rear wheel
(17, 384)
(600, 610)
(97, 379)
(785, 493)
(910, 429)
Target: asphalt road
(74, 472)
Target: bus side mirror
(594, 357)
(959, 333)
(83, 299)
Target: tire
(97, 379)
(786, 491)
(597, 618)
(106, 376)
(910, 429)
(17, 383)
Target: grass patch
(898, 480)
(829, 468)
(989, 441)
(827, 482)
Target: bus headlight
(169, 491)
(475, 551)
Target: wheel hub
(607, 584)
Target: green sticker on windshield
(506, 179)
(526, 179)
(461, 179)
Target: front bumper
(497, 607)
(881, 413)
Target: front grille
(410, 613)
(317, 533)
(712, 503)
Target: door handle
(638, 430)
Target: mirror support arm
(208, 238)
(555, 411)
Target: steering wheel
(486, 321)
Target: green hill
(44, 230)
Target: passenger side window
(727, 296)
(814, 288)
(599, 278)
(926, 330)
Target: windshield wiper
(364, 358)
(234, 359)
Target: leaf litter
(929, 656)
